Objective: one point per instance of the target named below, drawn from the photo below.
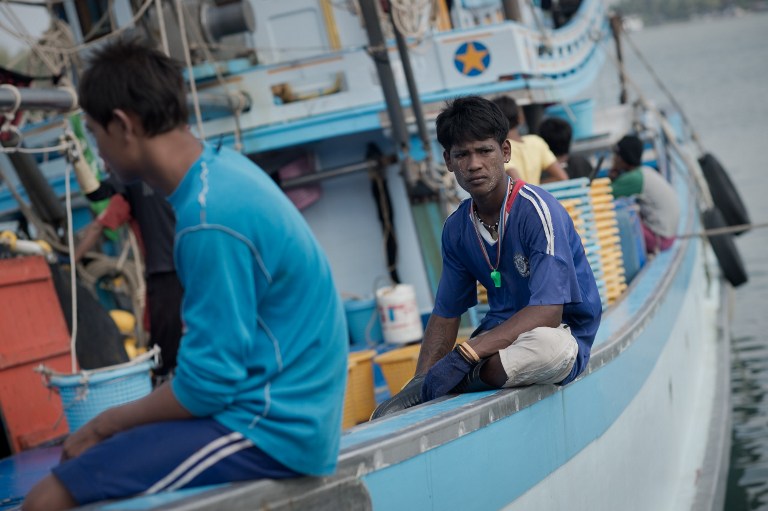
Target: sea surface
(718, 71)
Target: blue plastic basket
(86, 394)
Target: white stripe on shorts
(209, 461)
(190, 462)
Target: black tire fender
(725, 249)
(724, 193)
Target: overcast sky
(34, 19)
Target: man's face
(617, 166)
(478, 165)
(116, 152)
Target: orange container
(32, 332)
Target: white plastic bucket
(400, 318)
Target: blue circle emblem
(472, 58)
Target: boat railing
(343, 84)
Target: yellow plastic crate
(359, 398)
(398, 366)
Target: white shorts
(543, 355)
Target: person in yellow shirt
(531, 159)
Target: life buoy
(724, 193)
(725, 249)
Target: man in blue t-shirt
(518, 242)
(261, 370)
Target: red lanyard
(512, 188)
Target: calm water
(719, 72)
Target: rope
(139, 270)
(32, 150)
(694, 178)
(72, 267)
(74, 49)
(188, 59)
(25, 36)
(16, 98)
(161, 24)
(664, 89)
(412, 18)
(732, 229)
(546, 39)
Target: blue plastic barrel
(359, 314)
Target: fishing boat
(340, 112)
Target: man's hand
(444, 376)
(409, 395)
(439, 339)
(91, 433)
(159, 405)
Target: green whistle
(496, 278)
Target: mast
(378, 50)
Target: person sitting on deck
(519, 242)
(558, 133)
(530, 158)
(260, 376)
(659, 207)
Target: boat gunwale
(369, 456)
(412, 440)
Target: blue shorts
(166, 456)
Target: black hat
(630, 148)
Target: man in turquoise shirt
(261, 371)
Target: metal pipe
(413, 90)
(222, 103)
(511, 10)
(38, 99)
(327, 174)
(616, 31)
(65, 100)
(378, 50)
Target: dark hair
(510, 110)
(630, 148)
(134, 77)
(557, 134)
(468, 119)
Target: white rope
(137, 260)
(161, 24)
(35, 150)
(25, 36)
(202, 44)
(72, 267)
(412, 18)
(16, 98)
(190, 71)
(71, 50)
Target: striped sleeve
(546, 231)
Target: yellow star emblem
(472, 59)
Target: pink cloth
(653, 242)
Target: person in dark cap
(659, 207)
